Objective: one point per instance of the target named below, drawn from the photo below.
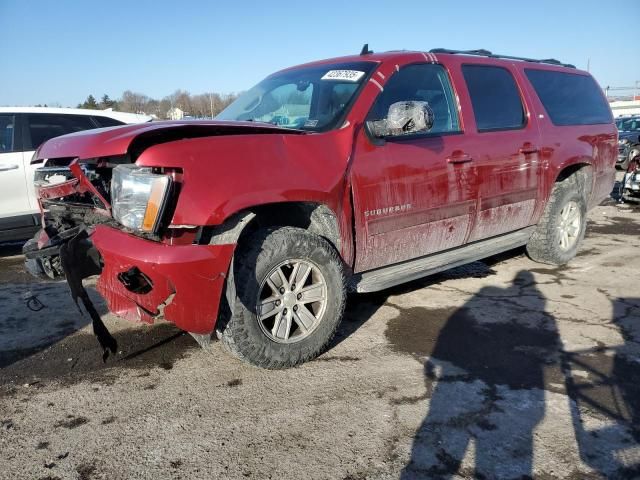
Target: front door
(413, 194)
(14, 199)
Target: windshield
(628, 124)
(312, 98)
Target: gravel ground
(500, 369)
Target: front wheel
(562, 226)
(286, 296)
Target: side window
(421, 82)
(44, 126)
(7, 133)
(495, 98)
(570, 98)
(107, 121)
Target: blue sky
(59, 52)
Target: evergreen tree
(90, 103)
(106, 102)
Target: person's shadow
(486, 376)
(610, 388)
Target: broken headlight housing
(138, 197)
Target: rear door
(413, 194)
(506, 146)
(14, 201)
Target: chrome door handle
(6, 168)
(527, 148)
(459, 157)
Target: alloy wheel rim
(570, 225)
(291, 301)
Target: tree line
(200, 105)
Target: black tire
(34, 265)
(241, 333)
(544, 244)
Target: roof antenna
(365, 50)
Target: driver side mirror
(404, 118)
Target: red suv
(355, 173)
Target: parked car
(22, 130)
(405, 164)
(628, 139)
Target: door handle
(459, 157)
(528, 148)
(6, 168)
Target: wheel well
(583, 173)
(313, 217)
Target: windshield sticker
(344, 75)
(311, 123)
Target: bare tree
(133, 102)
(204, 105)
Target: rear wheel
(562, 226)
(286, 296)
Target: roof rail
(486, 53)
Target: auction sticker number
(344, 75)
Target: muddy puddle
(79, 357)
(616, 226)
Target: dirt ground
(500, 369)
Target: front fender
(227, 174)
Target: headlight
(138, 197)
(623, 141)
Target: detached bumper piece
(80, 260)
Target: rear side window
(7, 133)
(495, 98)
(44, 126)
(107, 122)
(570, 98)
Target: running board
(385, 277)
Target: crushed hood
(116, 141)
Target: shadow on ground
(54, 341)
(487, 367)
(361, 307)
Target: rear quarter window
(107, 121)
(570, 98)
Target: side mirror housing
(404, 118)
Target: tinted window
(107, 122)
(428, 83)
(44, 126)
(569, 98)
(628, 124)
(7, 130)
(495, 98)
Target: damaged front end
(72, 200)
(111, 218)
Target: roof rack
(486, 53)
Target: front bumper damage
(141, 279)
